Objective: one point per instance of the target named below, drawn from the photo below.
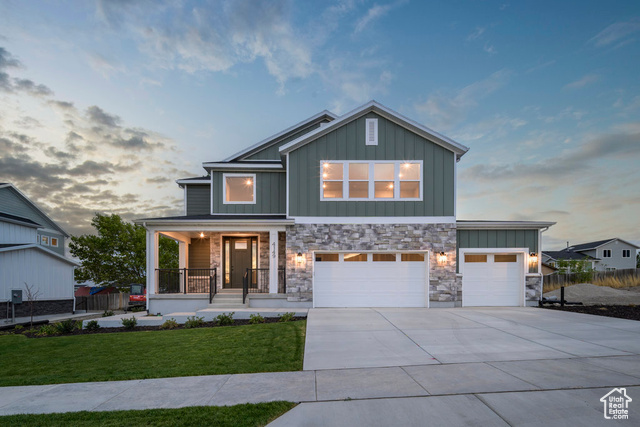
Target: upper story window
(44, 240)
(626, 253)
(239, 188)
(606, 253)
(54, 242)
(378, 180)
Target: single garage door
(357, 279)
(492, 280)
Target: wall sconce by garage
(442, 258)
(299, 258)
(202, 235)
(533, 257)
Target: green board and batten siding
(198, 199)
(394, 143)
(474, 239)
(271, 195)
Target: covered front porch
(221, 264)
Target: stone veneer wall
(40, 308)
(533, 288)
(444, 286)
(216, 252)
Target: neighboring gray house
(603, 255)
(32, 251)
(350, 211)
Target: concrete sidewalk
(482, 379)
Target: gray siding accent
(271, 195)
(198, 199)
(272, 152)
(394, 143)
(497, 239)
(59, 249)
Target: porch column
(183, 254)
(273, 261)
(152, 262)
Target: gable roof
(373, 106)
(273, 139)
(5, 217)
(29, 202)
(557, 255)
(593, 245)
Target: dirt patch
(589, 294)
(620, 311)
(236, 322)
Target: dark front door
(238, 256)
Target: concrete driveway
(386, 337)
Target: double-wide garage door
(492, 279)
(357, 279)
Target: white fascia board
(501, 225)
(32, 203)
(280, 134)
(387, 113)
(197, 224)
(217, 165)
(182, 182)
(40, 248)
(230, 227)
(374, 220)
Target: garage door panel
(370, 284)
(493, 283)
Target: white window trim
(238, 175)
(375, 132)
(372, 180)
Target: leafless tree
(32, 294)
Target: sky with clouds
(103, 104)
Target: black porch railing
(256, 280)
(187, 281)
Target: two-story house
(350, 211)
(32, 252)
(602, 255)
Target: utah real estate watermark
(616, 404)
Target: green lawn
(239, 415)
(268, 347)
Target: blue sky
(105, 103)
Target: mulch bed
(236, 322)
(631, 312)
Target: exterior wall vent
(372, 132)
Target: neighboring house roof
(273, 139)
(36, 207)
(373, 106)
(16, 247)
(18, 220)
(85, 291)
(568, 255)
(593, 245)
(517, 225)
(550, 267)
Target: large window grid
(379, 180)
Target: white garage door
(358, 279)
(492, 280)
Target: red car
(137, 296)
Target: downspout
(540, 263)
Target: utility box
(16, 296)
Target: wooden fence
(114, 301)
(556, 280)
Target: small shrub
(225, 319)
(107, 313)
(66, 326)
(255, 318)
(129, 323)
(47, 331)
(169, 324)
(194, 322)
(286, 317)
(92, 325)
(18, 329)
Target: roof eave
(513, 225)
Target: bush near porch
(271, 347)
